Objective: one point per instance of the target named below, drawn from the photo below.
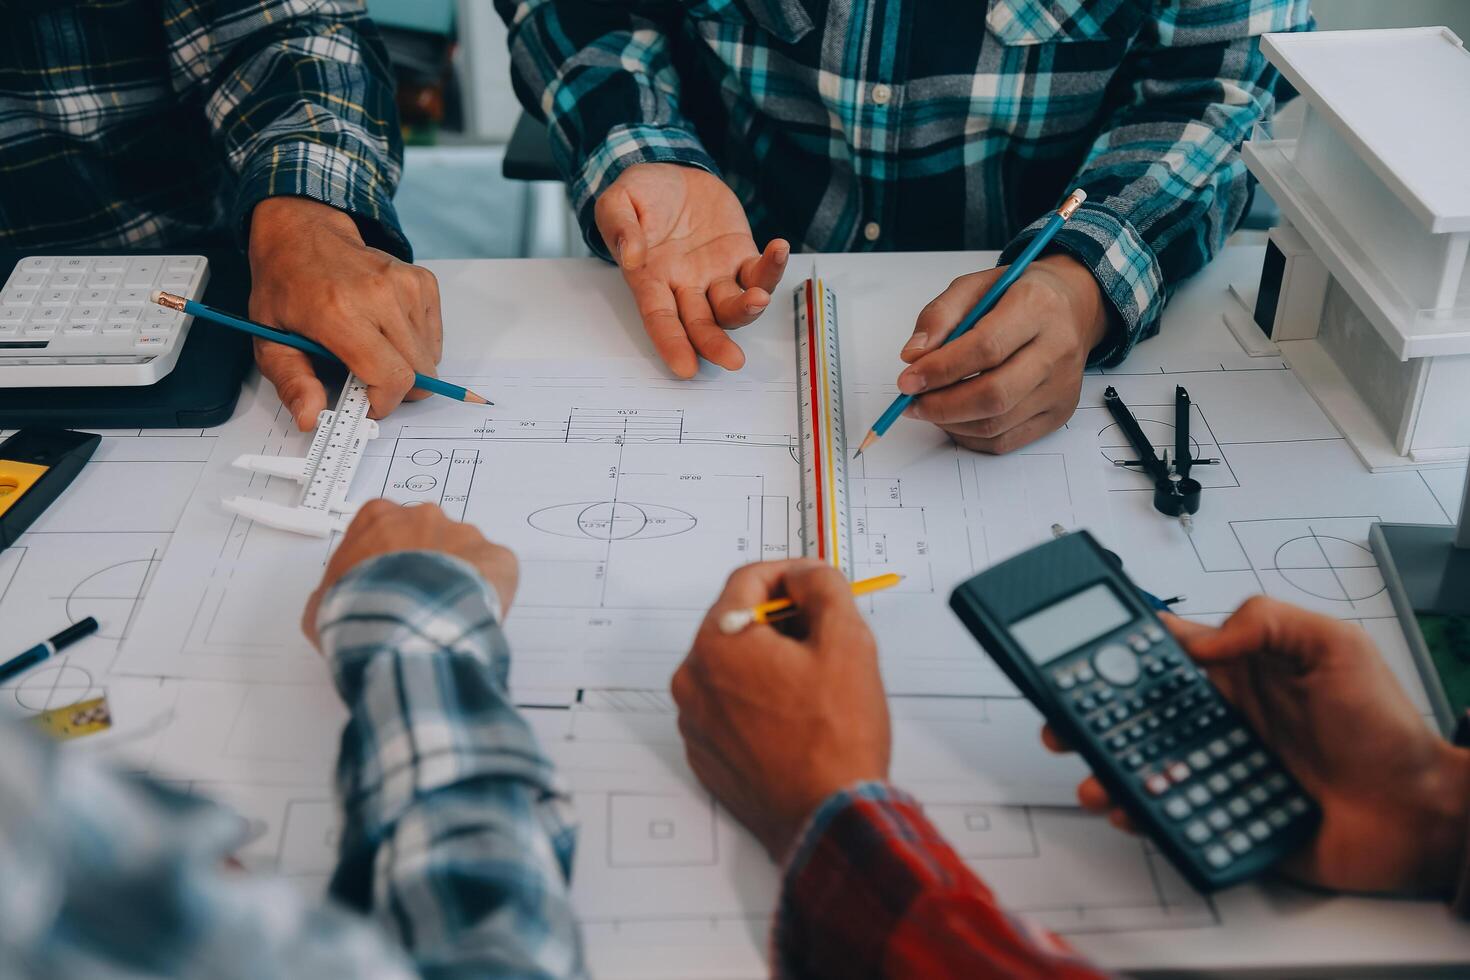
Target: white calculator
(82, 321)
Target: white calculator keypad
(91, 311)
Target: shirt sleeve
(872, 890)
(600, 75)
(1164, 179)
(457, 832)
(298, 96)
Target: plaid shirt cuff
(420, 660)
(623, 147)
(1126, 270)
(327, 174)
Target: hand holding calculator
(1073, 633)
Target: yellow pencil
(776, 610)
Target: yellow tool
(75, 720)
(776, 610)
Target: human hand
(684, 245)
(775, 723)
(382, 527)
(1395, 796)
(313, 276)
(1017, 375)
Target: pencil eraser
(735, 620)
(155, 296)
(1081, 195)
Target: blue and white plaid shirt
(457, 845)
(943, 124)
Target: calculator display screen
(1064, 627)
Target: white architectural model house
(1365, 290)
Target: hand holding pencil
(996, 360)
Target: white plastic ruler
(325, 474)
(826, 517)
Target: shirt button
(871, 231)
(882, 94)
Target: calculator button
(1238, 737)
(1064, 680)
(1178, 772)
(1155, 694)
(1196, 832)
(109, 263)
(176, 281)
(142, 272)
(65, 280)
(1258, 830)
(1088, 703)
(1120, 713)
(87, 314)
(12, 315)
(75, 264)
(1117, 665)
(1218, 819)
(18, 297)
(1156, 783)
(58, 297)
(151, 327)
(1276, 783)
(1151, 751)
(1199, 759)
(1201, 722)
(1101, 723)
(1198, 794)
(1154, 632)
(125, 314)
(1218, 748)
(81, 328)
(1218, 783)
(1296, 806)
(1237, 771)
(1155, 668)
(1135, 733)
(1153, 723)
(1177, 807)
(1257, 794)
(38, 263)
(1105, 695)
(1278, 818)
(1118, 742)
(1139, 643)
(1238, 842)
(1217, 856)
(1171, 712)
(1085, 675)
(45, 328)
(1256, 761)
(47, 314)
(1238, 807)
(103, 280)
(114, 329)
(28, 280)
(1168, 741)
(1134, 760)
(136, 297)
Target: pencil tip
(868, 440)
(470, 396)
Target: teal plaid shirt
(457, 836)
(944, 124)
(152, 123)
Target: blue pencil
(209, 313)
(987, 303)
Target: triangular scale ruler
(826, 517)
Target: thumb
(823, 594)
(617, 220)
(1265, 626)
(290, 371)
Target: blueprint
(629, 497)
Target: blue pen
(986, 304)
(209, 313)
(47, 648)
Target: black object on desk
(1072, 632)
(36, 465)
(528, 155)
(199, 392)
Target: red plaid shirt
(873, 890)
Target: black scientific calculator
(1074, 634)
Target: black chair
(528, 155)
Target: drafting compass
(325, 474)
(1176, 493)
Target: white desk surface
(497, 312)
(582, 305)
